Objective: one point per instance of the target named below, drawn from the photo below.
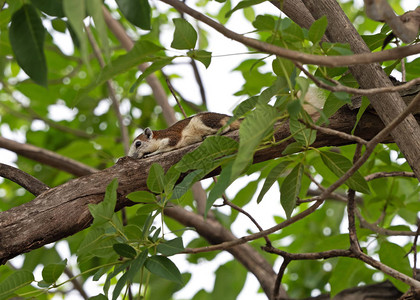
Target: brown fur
(185, 132)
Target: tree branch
(23, 179)
(47, 157)
(328, 61)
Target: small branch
(338, 87)
(199, 82)
(189, 103)
(285, 263)
(111, 91)
(389, 271)
(351, 207)
(380, 230)
(328, 61)
(242, 211)
(171, 88)
(77, 285)
(340, 134)
(308, 256)
(389, 174)
(254, 236)
(28, 182)
(47, 157)
(414, 249)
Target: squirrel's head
(143, 145)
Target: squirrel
(194, 129)
(183, 133)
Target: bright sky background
(220, 85)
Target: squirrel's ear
(148, 132)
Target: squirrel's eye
(137, 144)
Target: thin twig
(111, 90)
(257, 235)
(340, 134)
(380, 230)
(242, 211)
(338, 87)
(189, 103)
(351, 207)
(276, 291)
(308, 256)
(415, 250)
(389, 174)
(199, 82)
(171, 88)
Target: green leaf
(142, 196)
(14, 282)
(155, 180)
(171, 247)
(27, 35)
(163, 267)
(256, 126)
(52, 272)
(230, 280)
(75, 11)
(136, 265)
(102, 212)
(94, 8)
(292, 148)
(339, 165)
(301, 133)
(155, 66)
(245, 107)
(243, 4)
(51, 7)
(124, 250)
(395, 257)
(206, 155)
(290, 188)
(171, 177)
(119, 286)
(225, 179)
(137, 12)
(317, 29)
(202, 56)
(361, 111)
(181, 188)
(99, 297)
(185, 36)
(272, 177)
(346, 274)
(264, 23)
